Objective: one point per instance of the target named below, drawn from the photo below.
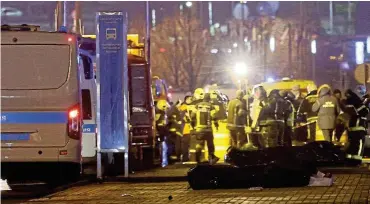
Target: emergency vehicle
(142, 109)
(41, 120)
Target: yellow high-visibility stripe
(359, 128)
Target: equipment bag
(228, 176)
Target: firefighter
(259, 101)
(357, 125)
(161, 122)
(185, 139)
(342, 120)
(271, 120)
(305, 114)
(175, 130)
(236, 120)
(300, 132)
(289, 117)
(217, 102)
(202, 123)
(328, 110)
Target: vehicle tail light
(74, 122)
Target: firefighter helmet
(162, 105)
(199, 93)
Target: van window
(139, 86)
(86, 104)
(87, 64)
(34, 67)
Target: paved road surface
(348, 188)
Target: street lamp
(313, 51)
(272, 43)
(240, 69)
(188, 4)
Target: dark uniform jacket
(327, 107)
(175, 120)
(304, 112)
(236, 116)
(274, 110)
(356, 111)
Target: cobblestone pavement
(348, 188)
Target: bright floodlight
(188, 3)
(272, 43)
(270, 79)
(235, 45)
(368, 45)
(240, 68)
(360, 52)
(214, 51)
(313, 46)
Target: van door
(88, 94)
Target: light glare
(270, 79)
(360, 53)
(240, 68)
(313, 47)
(272, 44)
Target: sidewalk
(348, 188)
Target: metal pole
(56, 19)
(147, 32)
(366, 76)
(314, 67)
(331, 17)
(290, 47)
(76, 20)
(65, 13)
(349, 26)
(59, 14)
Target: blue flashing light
(63, 29)
(270, 79)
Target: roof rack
(23, 27)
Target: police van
(41, 104)
(88, 95)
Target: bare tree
(180, 50)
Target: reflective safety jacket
(304, 111)
(202, 117)
(175, 121)
(274, 111)
(327, 109)
(186, 119)
(256, 108)
(161, 118)
(236, 116)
